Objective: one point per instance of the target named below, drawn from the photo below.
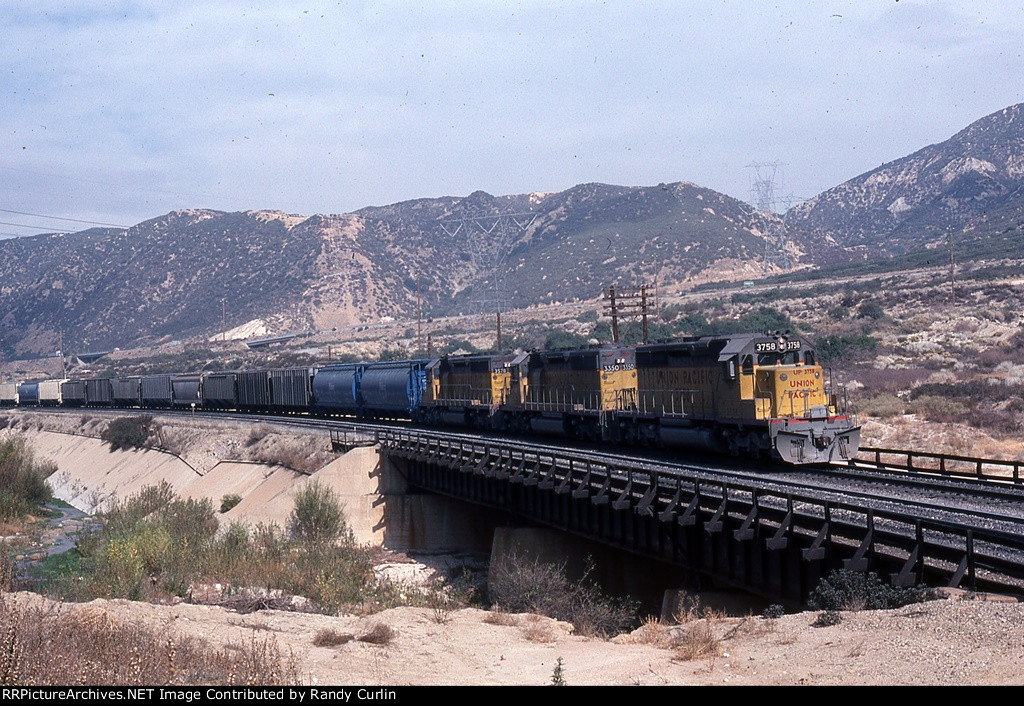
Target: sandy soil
(942, 642)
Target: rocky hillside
(961, 183)
(163, 278)
(174, 277)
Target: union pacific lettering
(803, 383)
(694, 376)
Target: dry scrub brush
(379, 634)
(46, 644)
(521, 585)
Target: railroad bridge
(698, 525)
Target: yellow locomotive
(762, 395)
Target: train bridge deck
(744, 533)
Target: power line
(60, 218)
(22, 225)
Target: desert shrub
(845, 347)
(853, 590)
(379, 634)
(870, 310)
(773, 612)
(23, 485)
(1006, 419)
(150, 544)
(939, 409)
(884, 405)
(891, 380)
(396, 353)
(295, 452)
(558, 674)
(327, 637)
(256, 434)
(124, 515)
(698, 641)
(563, 339)
(498, 616)
(521, 585)
(837, 313)
(317, 517)
(692, 324)
(458, 344)
(633, 332)
(128, 432)
(588, 317)
(827, 619)
(602, 332)
(46, 645)
(229, 501)
(762, 319)
(154, 545)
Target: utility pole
(952, 270)
(615, 315)
(419, 316)
(223, 320)
(628, 301)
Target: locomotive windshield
(787, 358)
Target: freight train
(760, 395)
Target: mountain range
(191, 273)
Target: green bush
(884, 405)
(23, 485)
(602, 331)
(853, 590)
(827, 619)
(155, 544)
(939, 409)
(556, 339)
(317, 517)
(870, 310)
(229, 501)
(128, 432)
(839, 347)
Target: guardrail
(745, 532)
(941, 464)
(347, 439)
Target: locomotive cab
(749, 394)
(790, 392)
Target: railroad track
(943, 524)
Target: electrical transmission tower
(764, 189)
(490, 239)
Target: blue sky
(120, 111)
